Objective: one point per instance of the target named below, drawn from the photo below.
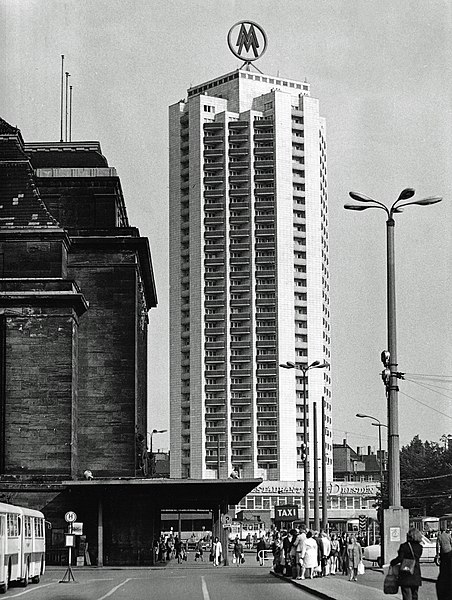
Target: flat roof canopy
(172, 493)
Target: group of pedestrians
(302, 553)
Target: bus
(429, 526)
(445, 522)
(22, 546)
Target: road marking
(205, 591)
(33, 589)
(112, 591)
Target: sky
(382, 72)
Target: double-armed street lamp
(150, 434)
(304, 369)
(378, 424)
(393, 375)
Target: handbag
(361, 568)
(391, 581)
(407, 565)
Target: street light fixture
(151, 433)
(391, 385)
(378, 424)
(304, 369)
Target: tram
(22, 546)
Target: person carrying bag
(410, 571)
(391, 581)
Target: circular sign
(247, 40)
(226, 519)
(70, 516)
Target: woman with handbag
(410, 570)
(354, 555)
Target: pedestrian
(216, 552)
(177, 548)
(278, 553)
(298, 543)
(199, 552)
(310, 556)
(344, 556)
(411, 549)
(334, 554)
(238, 552)
(444, 558)
(354, 555)
(260, 551)
(326, 551)
(248, 541)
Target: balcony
(241, 429)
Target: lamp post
(395, 518)
(393, 375)
(378, 424)
(304, 369)
(151, 433)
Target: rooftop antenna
(70, 113)
(61, 109)
(67, 81)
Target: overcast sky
(382, 72)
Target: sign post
(70, 517)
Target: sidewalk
(369, 586)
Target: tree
(426, 477)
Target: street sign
(226, 520)
(77, 528)
(70, 516)
(70, 540)
(362, 522)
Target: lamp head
(429, 200)
(355, 207)
(360, 197)
(406, 193)
(288, 365)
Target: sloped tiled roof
(20, 203)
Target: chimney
(369, 450)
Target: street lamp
(304, 369)
(378, 424)
(150, 434)
(391, 385)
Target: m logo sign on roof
(247, 40)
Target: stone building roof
(20, 203)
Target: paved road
(201, 582)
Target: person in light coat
(217, 551)
(309, 556)
(354, 555)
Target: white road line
(112, 591)
(205, 591)
(33, 589)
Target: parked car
(373, 553)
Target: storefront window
(350, 503)
(250, 503)
(357, 502)
(266, 503)
(258, 502)
(342, 503)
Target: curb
(305, 588)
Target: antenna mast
(67, 95)
(70, 113)
(61, 108)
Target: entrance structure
(122, 516)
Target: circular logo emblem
(247, 40)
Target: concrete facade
(249, 277)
